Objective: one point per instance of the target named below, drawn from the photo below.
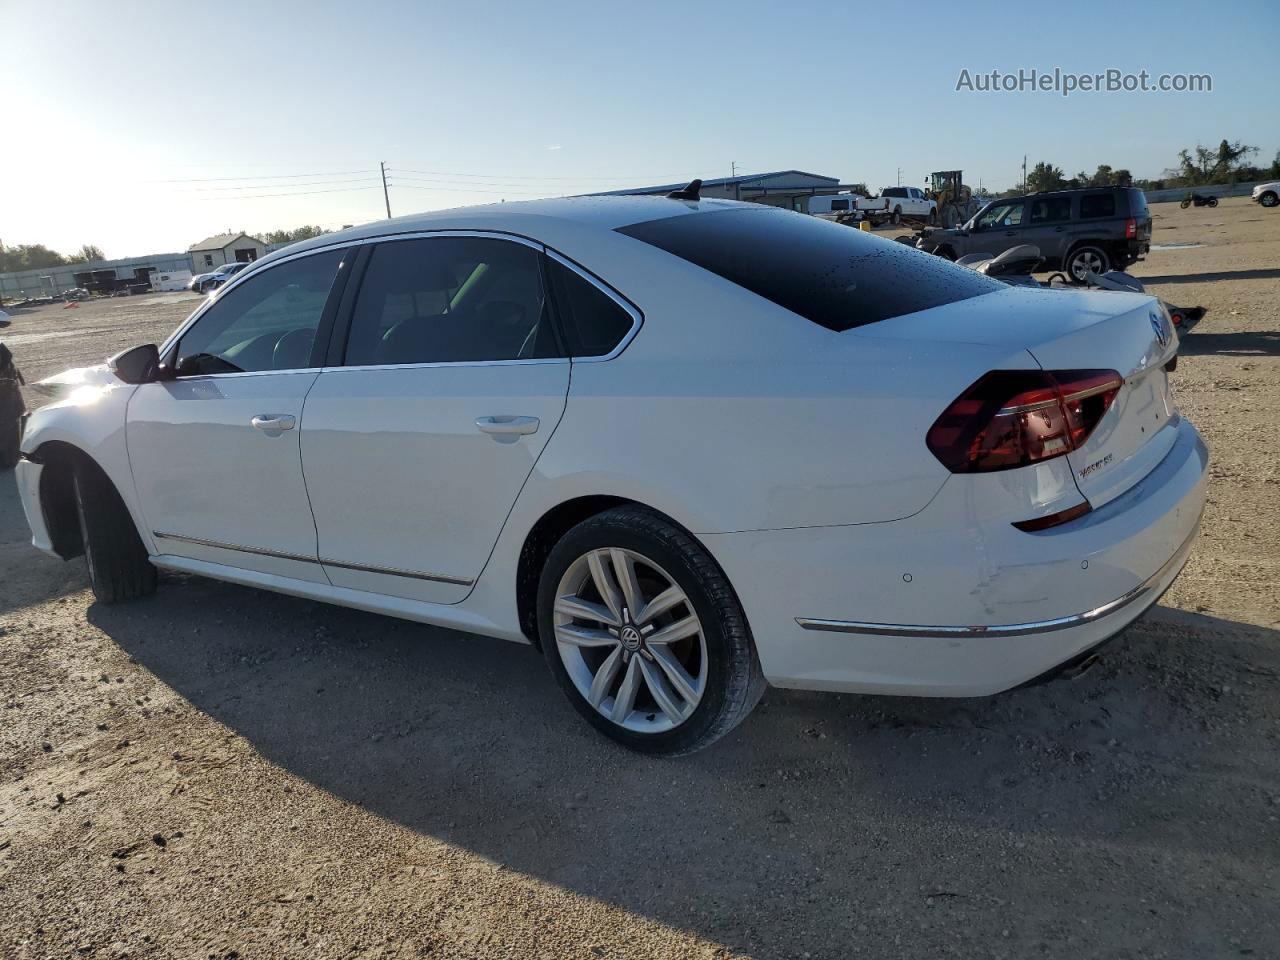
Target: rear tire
(114, 555)
(709, 679)
(1087, 258)
(1213, 201)
(897, 216)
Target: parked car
(1267, 194)
(1077, 231)
(204, 282)
(683, 446)
(13, 411)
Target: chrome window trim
(324, 561)
(637, 318)
(239, 278)
(1012, 629)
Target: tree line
(36, 256)
(1226, 163)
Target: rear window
(836, 276)
(1094, 205)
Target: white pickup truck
(893, 204)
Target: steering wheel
(293, 350)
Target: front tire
(644, 634)
(116, 559)
(1083, 260)
(1269, 199)
(1213, 201)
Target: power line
(498, 176)
(274, 176)
(299, 193)
(501, 193)
(466, 186)
(309, 183)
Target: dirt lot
(222, 773)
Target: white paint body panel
(401, 477)
(795, 454)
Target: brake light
(1130, 228)
(1012, 418)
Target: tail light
(1012, 418)
(1130, 228)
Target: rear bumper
(940, 605)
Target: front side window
(1051, 210)
(839, 204)
(593, 322)
(450, 300)
(827, 273)
(1002, 215)
(1096, 205)
(267, 322)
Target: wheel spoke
(659, 605)
(684, 684)
(624, 568)
(661, 692)
(584, 636)
(625, 699)
(604, 678)
(673, 632)
(604, 583)
(572, 606)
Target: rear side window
(837, 277)
(450, 300)
(1095, 205)
(593, 322)
(839, 204)
(1138, 204)
(1050, 210)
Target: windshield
(833, 275)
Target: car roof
(532, 217)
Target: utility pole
(733, 168)
(382, 165)
(1024, 173)
(899, 176)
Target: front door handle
(1011, 233)
(507, 429)
(273, 424)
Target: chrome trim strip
(394, 572)
(1007, 630)
(256, 551)
(326, 561)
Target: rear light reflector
(1012, 418)
(1055, 519)
(1130, 228)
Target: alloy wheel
(1084, 262)
(630, 640)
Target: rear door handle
(507, 429)
(274, 423)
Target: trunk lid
(1077, 330)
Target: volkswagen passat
(683, 446)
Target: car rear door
(417, 438)
(214, 447)
(1048, 226)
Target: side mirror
(138, 365)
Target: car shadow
(817, 796)
(1265, 273)
(26, 575)
(1260, 343)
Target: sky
(145, 127)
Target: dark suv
(1100, 229)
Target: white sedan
(683, 446)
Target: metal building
(781, 188)
(98, 275)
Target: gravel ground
(223, 773)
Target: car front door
(417, 441)
(214, 446)
(998, 228)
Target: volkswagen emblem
(630, 638)
(1157, 324)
